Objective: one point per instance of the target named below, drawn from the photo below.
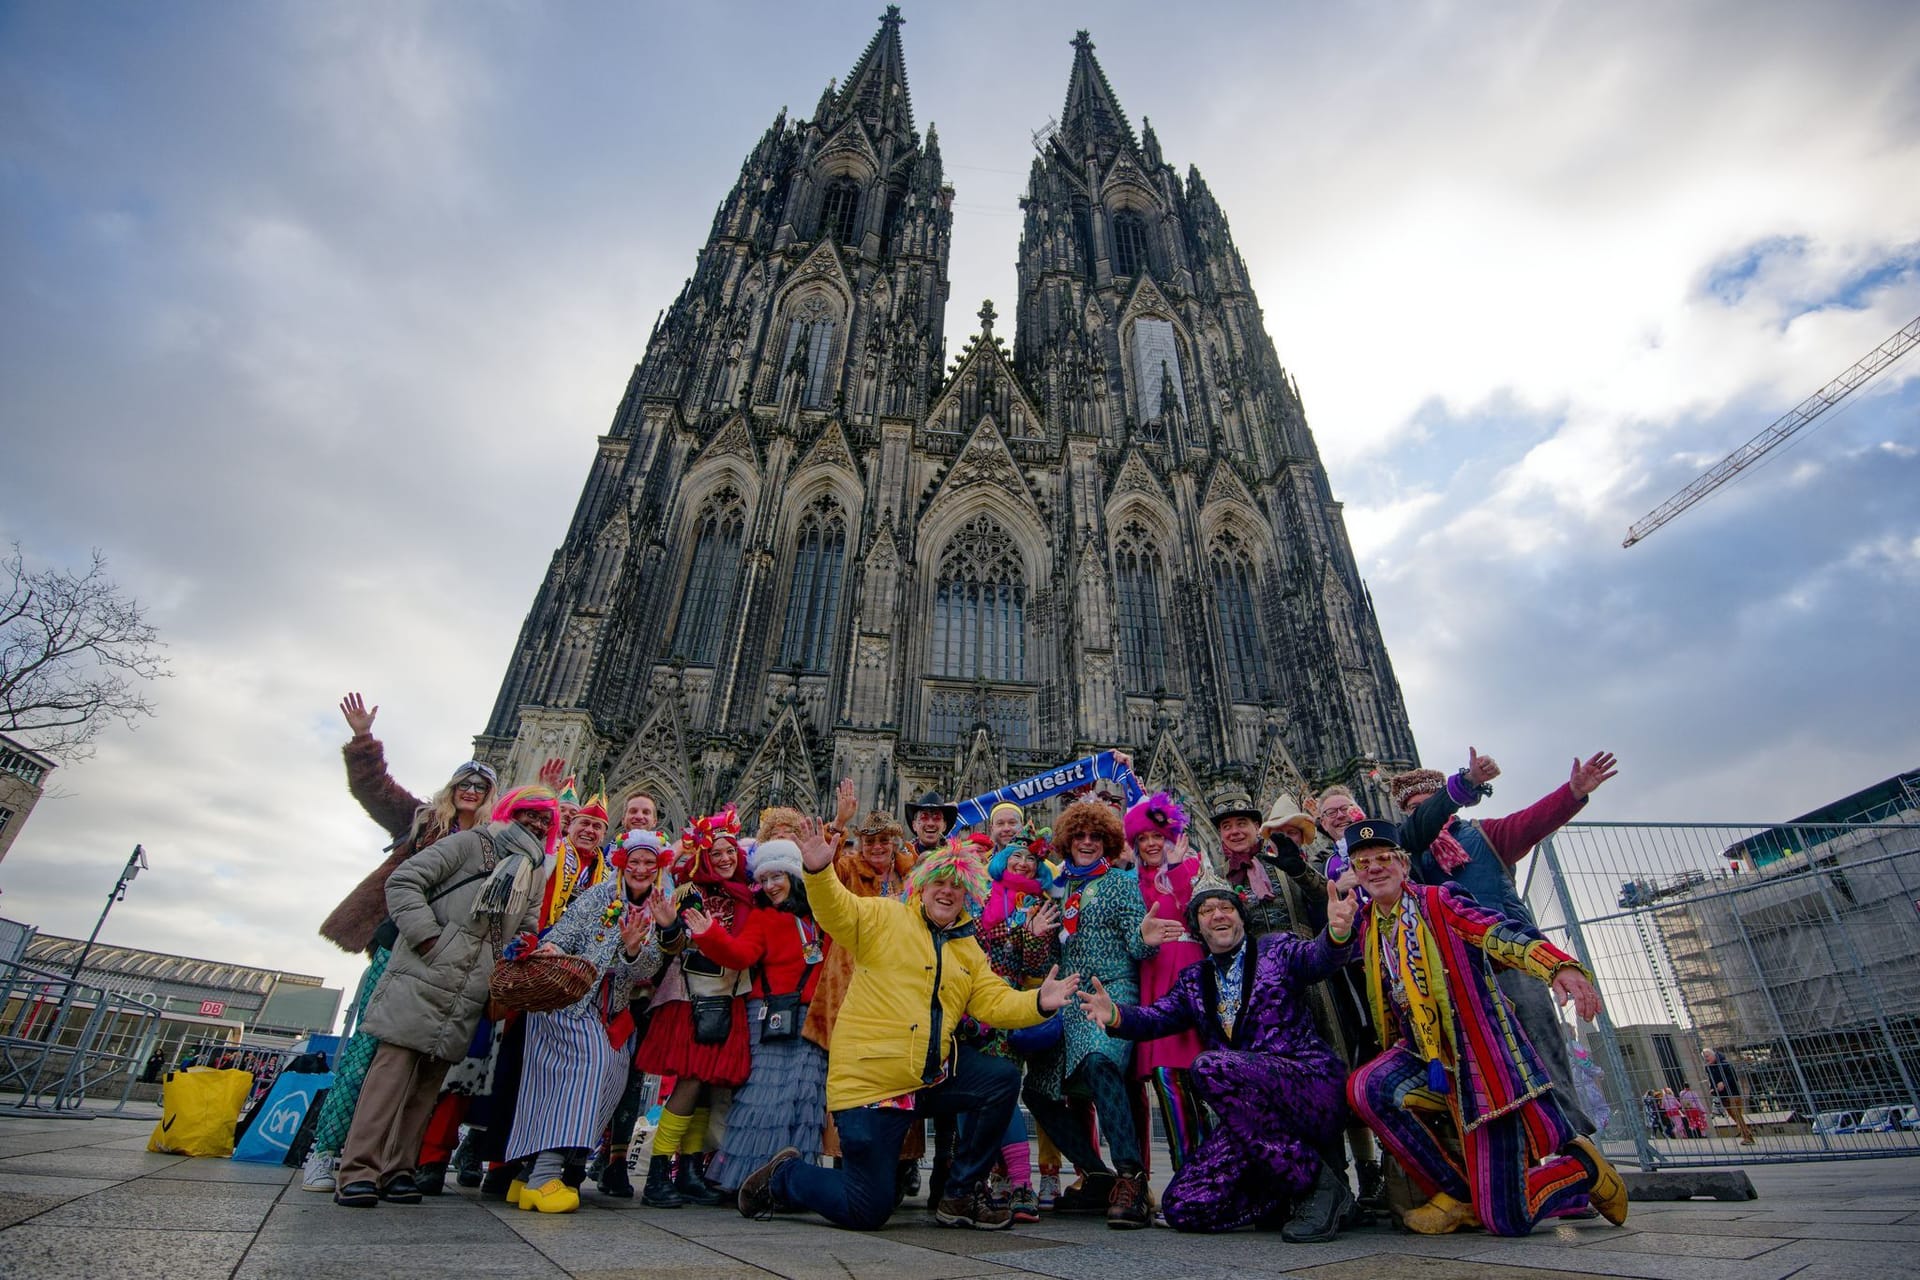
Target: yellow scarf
(1409, 946)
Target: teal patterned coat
(1106, 946)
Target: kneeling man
(1276, 1086)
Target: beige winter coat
(431, 997)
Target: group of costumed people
(817, 1000)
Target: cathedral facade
(810, 546)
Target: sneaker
(357, 1195)
(1024, 1205)
(1129, 1208)
(756, 1199)
(1049, 1189)
(1090, 1196)
(971, 1208)
(316, 1173)
(999, 1190)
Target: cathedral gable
(1147, 299)
(986, 460)
(823, 265)
(780, 772)
(1136, 475)
(850, 141)
(1224, 485)
(655, 760)
(831, 450)
(733, 441)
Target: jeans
(1098, 1076)
(859, 1194)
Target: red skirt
(670, 1049)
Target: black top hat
(932, 800)
(1371, 831)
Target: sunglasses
(1367, 861)
(473, 768)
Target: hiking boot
(1129, 1206)
(692, 1184)
(1606, 1192)
(316, 1172)
(614, 1180)
(1024, 1205)
(431, 1179)
(757, 1199)
(1089, 1196)
(1321, 1212)
(357, 1195)
(400, 1189)
(971, 1208)
(1442, 1215)
(1049, 1189)
(659, 1192)
(1000, 1190)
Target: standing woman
(1156, 827)
(354, 925)
(784, 1102)
(576, 1058)
(697, 1032)
(1101, 917)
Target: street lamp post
(136, 863)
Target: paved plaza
(85, 1198)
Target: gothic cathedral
(810, 547)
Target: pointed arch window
(1140, 585)
(980, 606)
(841, 210)
(813, 606)
(1235, 601)
(1129, 243)
(710, 578)
(809, 349)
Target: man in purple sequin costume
(1274, 1083)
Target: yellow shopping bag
(198, 1112)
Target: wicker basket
(540, 984)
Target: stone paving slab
(81, 1198)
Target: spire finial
(1083, 39)
(892, 16)
(987, 314)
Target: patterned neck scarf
(1226, 1005)
(1078, 880)
(1446, 850)
(1412, 969)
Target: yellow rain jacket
(912, 983)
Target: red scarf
(1447, 851)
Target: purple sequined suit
(1278, 1088)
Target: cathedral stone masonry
(809, 548)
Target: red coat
(772, 945)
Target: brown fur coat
(350, 925)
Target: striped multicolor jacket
(1494, 1069)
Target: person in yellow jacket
(917, 971)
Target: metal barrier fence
(63, 1041)
(1791, 951)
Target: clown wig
(1083, 816)
(957, 862)
(521, 799)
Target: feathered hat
(958, 862)
(1157, 812)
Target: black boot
(1373, 1186)
(692, 1184)
(431, 1179)
(1321, 1213)
(659, 1192)
(493, 1186)
(466, 1162)
(613, 1177)
(937, 1181)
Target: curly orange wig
(1089, 815)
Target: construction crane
(1793, 420)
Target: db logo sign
(212, 1008)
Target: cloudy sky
(310, 314)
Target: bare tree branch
(72, 649)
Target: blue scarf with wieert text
(1041, 786)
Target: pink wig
(534, 797)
